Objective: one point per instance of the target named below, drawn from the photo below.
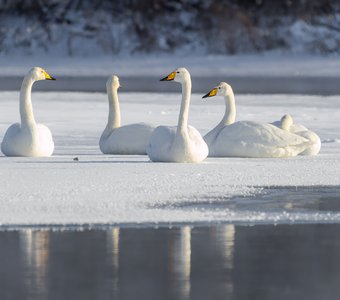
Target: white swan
(28, 138)
(116, 139)
(246, 138)
(181, 143)
(286, 123)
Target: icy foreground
(107, 189)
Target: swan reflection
(182, 262)
(226, 236)
(113, 243)
(35, 250)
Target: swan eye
(219, 88)
(177, 72)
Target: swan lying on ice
(246, 138)
(181, 143)
(28, 138)
(117, 139)
(286, 123)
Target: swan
(247, 138)
(28, 138)
(287, 123)
(181, 143)
(117, 139)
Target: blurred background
(124, 27)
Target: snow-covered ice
(108, 189)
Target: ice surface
(108, 189)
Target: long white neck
(114, 109)
(182, 127)
(26, 110)
(230, 108)
(228, 118)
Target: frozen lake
(121, 227)
(118, 189)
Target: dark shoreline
(245, 85)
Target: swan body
(116, 139)
(181, 143)
(28, 138)
(247, 138)
(287, 123)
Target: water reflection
(34, 247)
(218, 262)
(113, 249)
(182, 262)
(226, 240)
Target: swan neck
(26, 109)
(114, 109)
(230, 109)
(184, 111)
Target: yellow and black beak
(170, 77)
(48, 76)
(212, 93)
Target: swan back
(287, 123)
(252, 139)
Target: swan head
(222, 89)
(38, 73)
(180, 75)
(286, 122)
(113, 81)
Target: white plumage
(287, 123)
(28, 138)
(116, 139)
(181, 143)
(247, 138)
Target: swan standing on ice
(181, 143)
(116, 139)
(28, 138)
(247, 138)
(286, 123)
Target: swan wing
(295, 128)
(129, 139)
(252, 139)
(46, 144)
(200, 147)
(161, 140)
(314, 139)
(18, 142)
(10, 145)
